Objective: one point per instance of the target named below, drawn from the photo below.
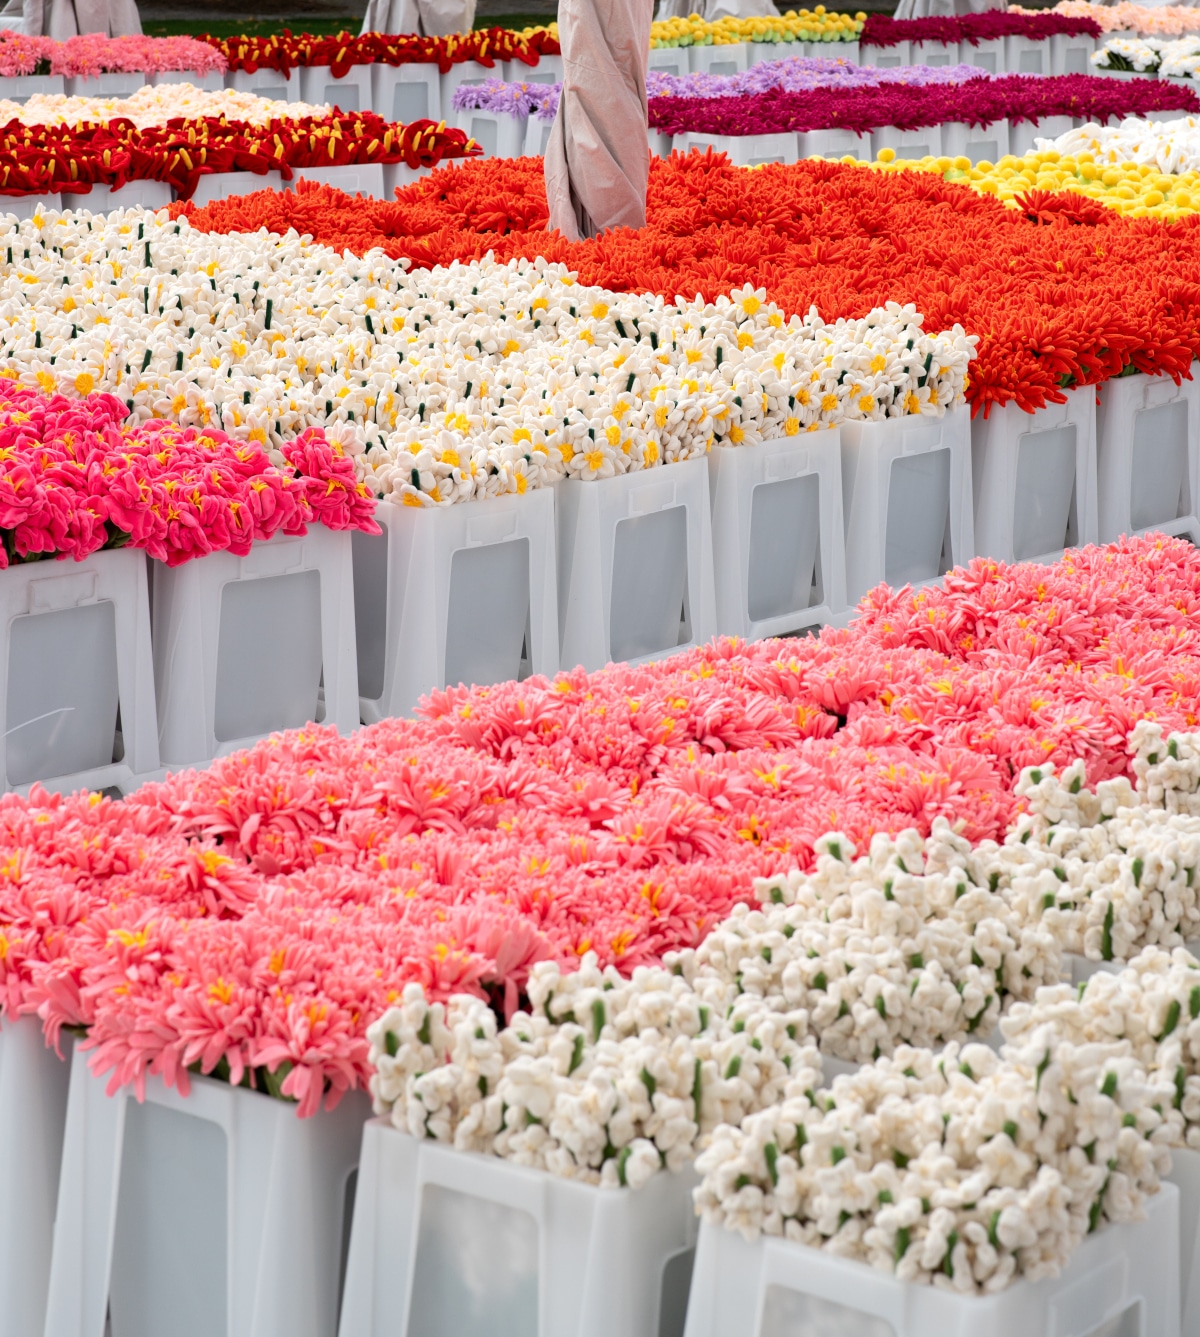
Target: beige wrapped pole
(598, 155)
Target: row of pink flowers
(74, 479)
(253, 918)
(94, 54)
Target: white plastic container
(217, 185)
(934, 54)
(744, 150)
(1035, 479)
(923, 143)
(33, 1112)
(985, 55)
(448, 1243)
(758, 52)
(21, 87)
(1123, 1281)
(660, 145)
(1185, 1175)
(77, 646)
(1148, 456)
(670, 60)
(450, 594)
(887, 57)
(266, 83)
(406, 93)
(906, 494)
(635, 567)
(497, 133)
(26, 206)
(105, 85)
(834, 144)
(980, 143)
(242, 645)
(731, 59)
(537, 136)
(221, 1210)
(1072, 55)
(354, 178)
(397, 174)
(132, 195)
(464, 72)
(213, 81)
(1027, 55)
(1021, 134)
(779, 553)
(352, 92)
(548, 70)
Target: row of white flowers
(448, 384)
(1171, 146)
(155, 105)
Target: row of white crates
(752, 541)
(224, 1211)
(412, 92)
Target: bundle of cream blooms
(155, 106)
(1143, 53)
(1111, 870)
(962, 1169)
(448, 384)
(897, 946)
(605, 1080)
(1171, 146)
(1153, 1006)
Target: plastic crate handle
(796, 1267)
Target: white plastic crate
(727, 60)
(406, 93)
(923, 143)
(851, 52)
(1035, 479)
(397, 174)
(211, 82)
(1072, 55)
(354, 178)
(934, 54)
(1185, 1175)
(980, 143)
(133, 194)
(1159, 117)
(660, 145)
(834, 144)
(464, 72)
(450, 594)
(497, 133)
(906, 495)
(779, 552)
(985, 55)
(1027, 55)
(105, 85)
(1123, 1281)
(537, 136)
(1021, 134)
(266, 83)
(21, 87)
(448, 1243)
(352, 92)
(887, 57)
(60, 723)
(758, 52)
(744, 150)
(1148, 456)
(216, 1212)
(26, 206)
(635, 567)
(218, 185)
(548, 70)
(33, 1111)
(242, 645)
(670, 60)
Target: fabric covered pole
(428, 18)
(598, 155)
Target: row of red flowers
(72, 158)
(259, 914)
(75, 479)
(978, 102)
(1074, 302)
(287, 51)
(881, 30)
